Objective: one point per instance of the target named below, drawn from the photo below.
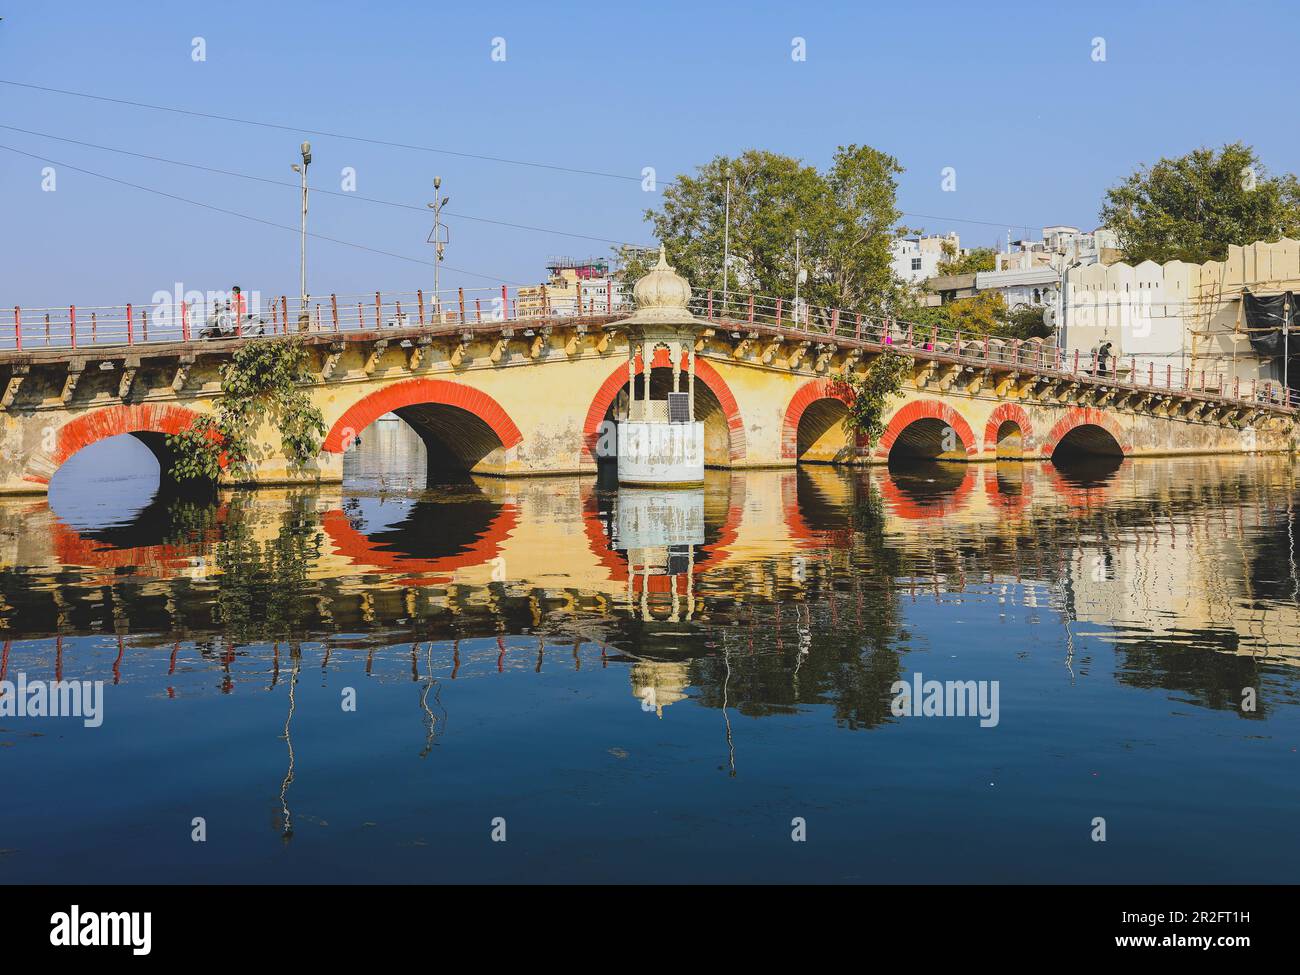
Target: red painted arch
(1085, 415)
(704, 372)
(109, 421)
(1016, 414)
(925, 409)
(421, 392)
(804, 397)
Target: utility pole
(797, 269)
(436, 239)
(304, 317)
(1286, 348)
(726, 234)
(1064, 275)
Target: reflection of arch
(102, 549)
(358, 547)
(148, 421)
(803, 534)
(1094, 441)
(704, 372)
(815, 391)
(1009, 413)
(418, 393)
(1011, 500)
(925, 409)
(904, 505)
(1084, 492)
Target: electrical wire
(249, 216)
(314, 189)
(431, 149)
(320, 132)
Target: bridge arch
(1009, 433)
(1086, 430)
(719, 407)
(917, 430)
(460, 425)
(150, 423)
(809, 430)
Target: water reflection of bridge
(1150, 548)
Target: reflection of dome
(659, 684)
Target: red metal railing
(224, 317)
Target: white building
(1028, 273)
(1179, 322)
(917, 258)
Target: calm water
(668, 722)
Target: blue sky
(1009, 97)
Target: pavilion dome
(663, 295)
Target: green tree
(972, 262)
(983, 313)
(848, 216)
(1192, 207)
(262, 382)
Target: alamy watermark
(945, 699)
(53, 699)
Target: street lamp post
(726, 234)
(1064, 275)
(435, 238)
(798, 274)
(303, 316)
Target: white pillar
(690, 378)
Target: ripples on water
(668, 721)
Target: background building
(573, 283)
(1167, 318)
(917, 258)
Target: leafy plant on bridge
(263, 382)
(868, 394)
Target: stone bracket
(419, 349)
(15, 383)
(800, 351)
(332, 360)
(376, 352)
(129, 368)
(71, 378)
(540, 342)
(183, 365)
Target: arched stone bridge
(529, 396)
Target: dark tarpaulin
(1265, 312)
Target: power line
(248, 216)
(432, 149)
(314, 189)
(321, 132)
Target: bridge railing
(817, 324)
(221, 315)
